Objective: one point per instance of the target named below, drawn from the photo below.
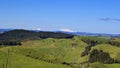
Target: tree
(100, 56)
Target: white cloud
(38, 29)
(67, 30)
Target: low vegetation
(25, 50)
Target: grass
(26, 62)
(100, 65)
(50, 53)
(112, 50)
(21, 61)
(60, 48)
(101, 39)
(112, 65)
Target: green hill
(21, 61)
(21, 35)
(58, 51)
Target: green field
(54, 53)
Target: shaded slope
(25, 34)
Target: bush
(100, 56)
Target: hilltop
(20, 34)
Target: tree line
(94, 42)
(21, 35)
(10, 43)
(100, 56)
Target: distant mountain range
(72, 33)
(5, 30)
(92, 34)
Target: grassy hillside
(112, 50)
(21, 61)
(52, 51)
(55, 53)
(100, 65)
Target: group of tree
(94, 42)
(114, 43)
(20, 35)
(44, 35)
(100, 56)
(91, 43)
(10, 43)
(86, 51)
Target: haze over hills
(91, 34)
(71, 32)
(4, 30)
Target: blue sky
(97, 16)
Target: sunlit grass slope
(112, 50)
(21, 61)
(52, 53)
(49, 53)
